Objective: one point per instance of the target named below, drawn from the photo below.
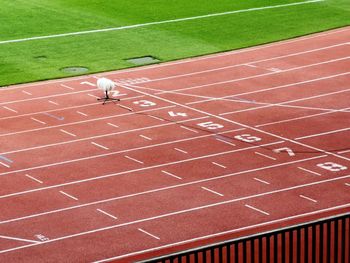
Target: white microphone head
(105, 84)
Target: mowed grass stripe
(105, 51)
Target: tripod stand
(107, 98)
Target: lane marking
(82, 113)
(220, 165)
(147, 233)
(113, 125)
(212, 191)
(180, 150)
(34, 179)
(347, 184)
(107, 214)
(67, 87)
(229, 143)
(94, 96)
(133, 159)
(70, 196)
(309, 171)
(177, 186)
(171, 174)
(53, 102)
(26, 92)
(69, 133)
(266, 156)
(19, 239)
(125, 107)
(155, 117)
(158, 22)
(6, 159)
(262, 181)
(4, 164)
(321, 134)
(9, 109)
(53, 116)
(256, 209)
(100, 146)
(308, 198)
(41, 122)
(145, 137)
(189, 129)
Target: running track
(215, 147)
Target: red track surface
(82, 182)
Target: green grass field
(42, 58)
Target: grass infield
(41, 59)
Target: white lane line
(107, 214)
(26, 92)
(261, 181)
(212, 191)
(67, 87)
(125, 107)
(220, 165)
(133, 159)
(82, 113)
(229, 143)
(147, 233)
(308, 198)
(321, 134)
(189, 129)
(145, 137)
(69, 133)
(170, 21)
(70, 196)
(180, 150)
(100, 146)
(345, 151)
(9, 109)
(266, 156)
(113, 125)
(155, 117)
(53, 102)
(34, 179)
(34, 119)
(91, 95)
(20, 239)
(309, 171)
(171, 174)
(347, 184)
(258, 210)
(4, 164)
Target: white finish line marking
(113, 125)
(34, 179)
(41, 122)
(309, 171)
(261, 181)
(100, 146)
(180, 150)
(145, 137)
(69, 133)
(26, 92)
(53, 102)
(266, 156)
(256, 209)
(147, 233)
(212, 191)
(170, 21)
(82, 113)
(9, 109)
(133, 159)
(67, 87)
(173, 175)
(229, 143)
(308, 198)
(4, 164)
(220, 165)
(189, 129)
(107, 214)
(70, 196)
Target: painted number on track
(210, 125)
(174, 114)
(333, 167)
(285, 149)
(145, 103)
(42, 237)
(247, 138)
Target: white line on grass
(157, 22)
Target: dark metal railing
(325, 240)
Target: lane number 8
(333, 167)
